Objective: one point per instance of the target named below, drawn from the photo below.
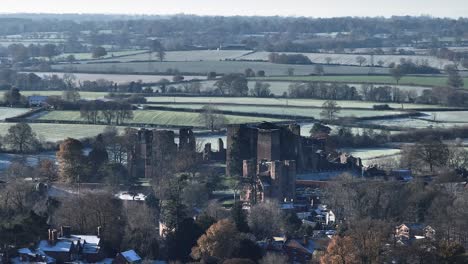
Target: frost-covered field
(7, 112)
(350, 59)
(118, 78)
(191, 55)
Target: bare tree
(361, 60)
(330, 109)
(211, 119)
(264, 219)
(21, 138)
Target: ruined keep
(154, 151)
(269, 156)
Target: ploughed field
(154, 117)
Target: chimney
(99, 231)
(65, 231)
(49, 235)
(53, 236)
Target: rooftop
(59, 246)
(131, 256)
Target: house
(37, 100)
(324, 215)
(406, 233)
(26, 255)
(66, 248)
(128, 257)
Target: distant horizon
(453, 9)
(208, 15)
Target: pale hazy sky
(312, 8)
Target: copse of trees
(316, 90)
(232, 84)
(288, 58)
(13, 98)
(98, 52)
(111, 112)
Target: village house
(406, 233)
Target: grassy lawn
(157, 118)
(407, 80)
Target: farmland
(419, 122)
(195, 55)
(203, 67)
(83, 95)
(407, 80)
(455, 117)
(350, 59)
(110, 54)
(247, 55)
(276, 102)
(153, 117)
(56, 132)
(371, 156)
(7, 112)
(305, 112)
(117, 78)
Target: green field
(7, 112)
(84, 95)
(167, 118)
(306, 112)
(118, 78)
(203, 67)
(277, 102)
(56, 132)
(407, 80)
